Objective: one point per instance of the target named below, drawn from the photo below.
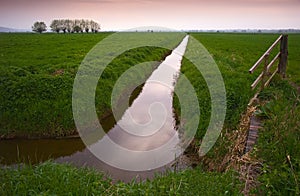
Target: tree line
(68, 26)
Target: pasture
(36, 79)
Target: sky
(174, 14)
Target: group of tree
(72, 26)
(67, 25)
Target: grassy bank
(278, 147)
(57, 179)
(234, 54)
(37, 74)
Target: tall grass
(50, 178)
(59, 179)
(278, 146)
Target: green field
(37, 74)
(235, 54)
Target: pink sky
(176, 14)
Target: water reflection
(35, 151)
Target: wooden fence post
(283, 56)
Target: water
(146, 125)
(34, 151)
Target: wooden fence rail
(265, 77)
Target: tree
(94, 26)
(55, 26)
(87, 26)
(77, 29)
(82, 25)
(39, 27)
(63, 25)
(77, 26)
(69, 24)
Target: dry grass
(246, 164)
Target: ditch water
(130, 131)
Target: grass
(36, 84)
(51, 178)
(234, 54)
(60, 179)
(278, 145)
(27, 80)
(294, 59)
(34, 99)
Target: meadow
(37, 73)
(277, 148)
(37, 76)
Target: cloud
(130, 13)
(222, 2)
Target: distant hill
(7, 30)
